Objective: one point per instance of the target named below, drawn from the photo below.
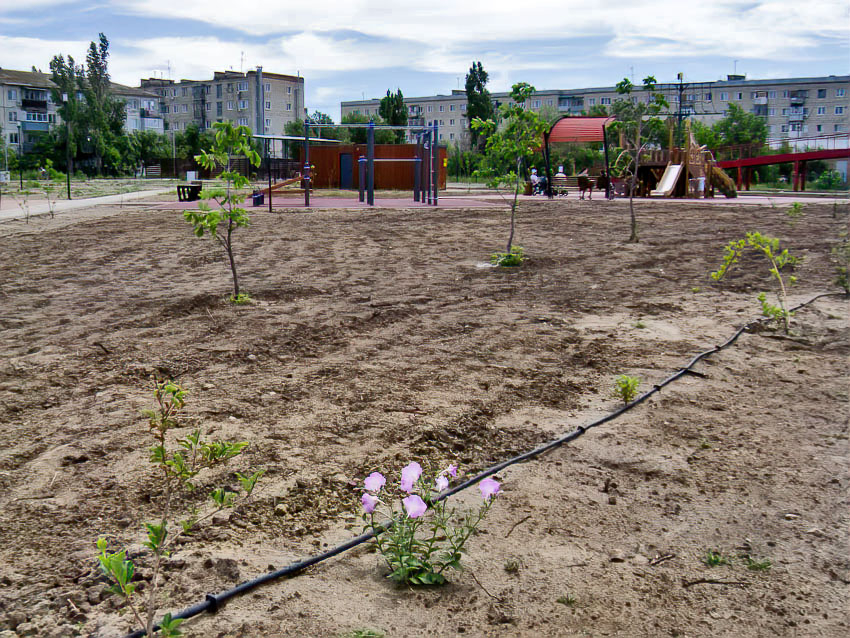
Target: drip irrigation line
(213, 602)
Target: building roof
(579, 129)
(32, 79)
(131, 91)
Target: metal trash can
(258, 198)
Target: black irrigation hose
(213, 602)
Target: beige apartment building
(265, 102)
(793, 108)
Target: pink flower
(410, 475)
(415, 506)
(442, 483)
(374, 482)
(489, 487)
(369, 502)
(451, 470)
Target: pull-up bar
(426, 171)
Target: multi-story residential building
(265, 102)
(792, 107)
(26, 107)
(142, 108)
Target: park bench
(189, 192)
(560, 186)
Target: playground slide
(668, 181)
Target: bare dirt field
(377, 338)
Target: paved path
(9, 208)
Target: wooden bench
(560, 186)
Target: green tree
(598, 110)
(151, 146)
(104, 114)
(478, 102)
(637, 118)
(394, 112)
(517, 139)
(229, 142)
(69, 78)
(192, 141)
(740, 127)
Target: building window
(289, 106)
(821, 93)
(451, 122)
(268, 123)
(535, 104)
(706, 97)
(442, 123)
(242, 121)
(267, 87)
(724, 96)
(218, 109)
(13, 138)
(176, 108)
(786, 112)
(771, 95)
(549, 102)
(451, 136)
(771, 112)
(819, 128)
(605, 100)
(441, 108)
(268, 106)
(839, 110)
(786, 94)
(13, 95)
(441, 136)
(242, 86)
(430, 108)
(243, 104)
(183, 92)
(13, 116)
(451, 107)
(209, 106)
(185, 108)
(839, 92)
(821, 110)
(784, 128)
(51, 118)
(592, 101)
(463, 107)
(796, 126)
(289, 90)
(840, 128)
(218, 90)
(36, 117)
(229, 105)
(740, 95)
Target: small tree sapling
(513, 140)
(635, 117)
(769, 247)
(177, 468)
(229, 142)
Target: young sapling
(769, 247)
(176, 467)
(626, 387)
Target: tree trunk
(633, 237)
(513, 210)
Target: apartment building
(792, 107)
(263, 101)
(26, 108)
(142, 108)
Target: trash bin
(258, 198)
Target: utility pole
(67, 144)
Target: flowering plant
(423, 537)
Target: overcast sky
(350, 49)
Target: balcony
(798, 99)
(760, 101)
(149, 113)
(34, 106)
(796, 117)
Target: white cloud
(24, 53)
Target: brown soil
(377, 338)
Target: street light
(21, 155)
(67, 144)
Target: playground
(380, 336)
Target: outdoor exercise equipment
(425, 164)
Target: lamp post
(67, 144)
(21, 155)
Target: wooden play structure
(673, 172)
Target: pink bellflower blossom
(374, 482)
(409, 476)
(369, 502)
(441, 483)
(489, 487)
(414, 506)
(451, 470)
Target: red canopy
(579, 129)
